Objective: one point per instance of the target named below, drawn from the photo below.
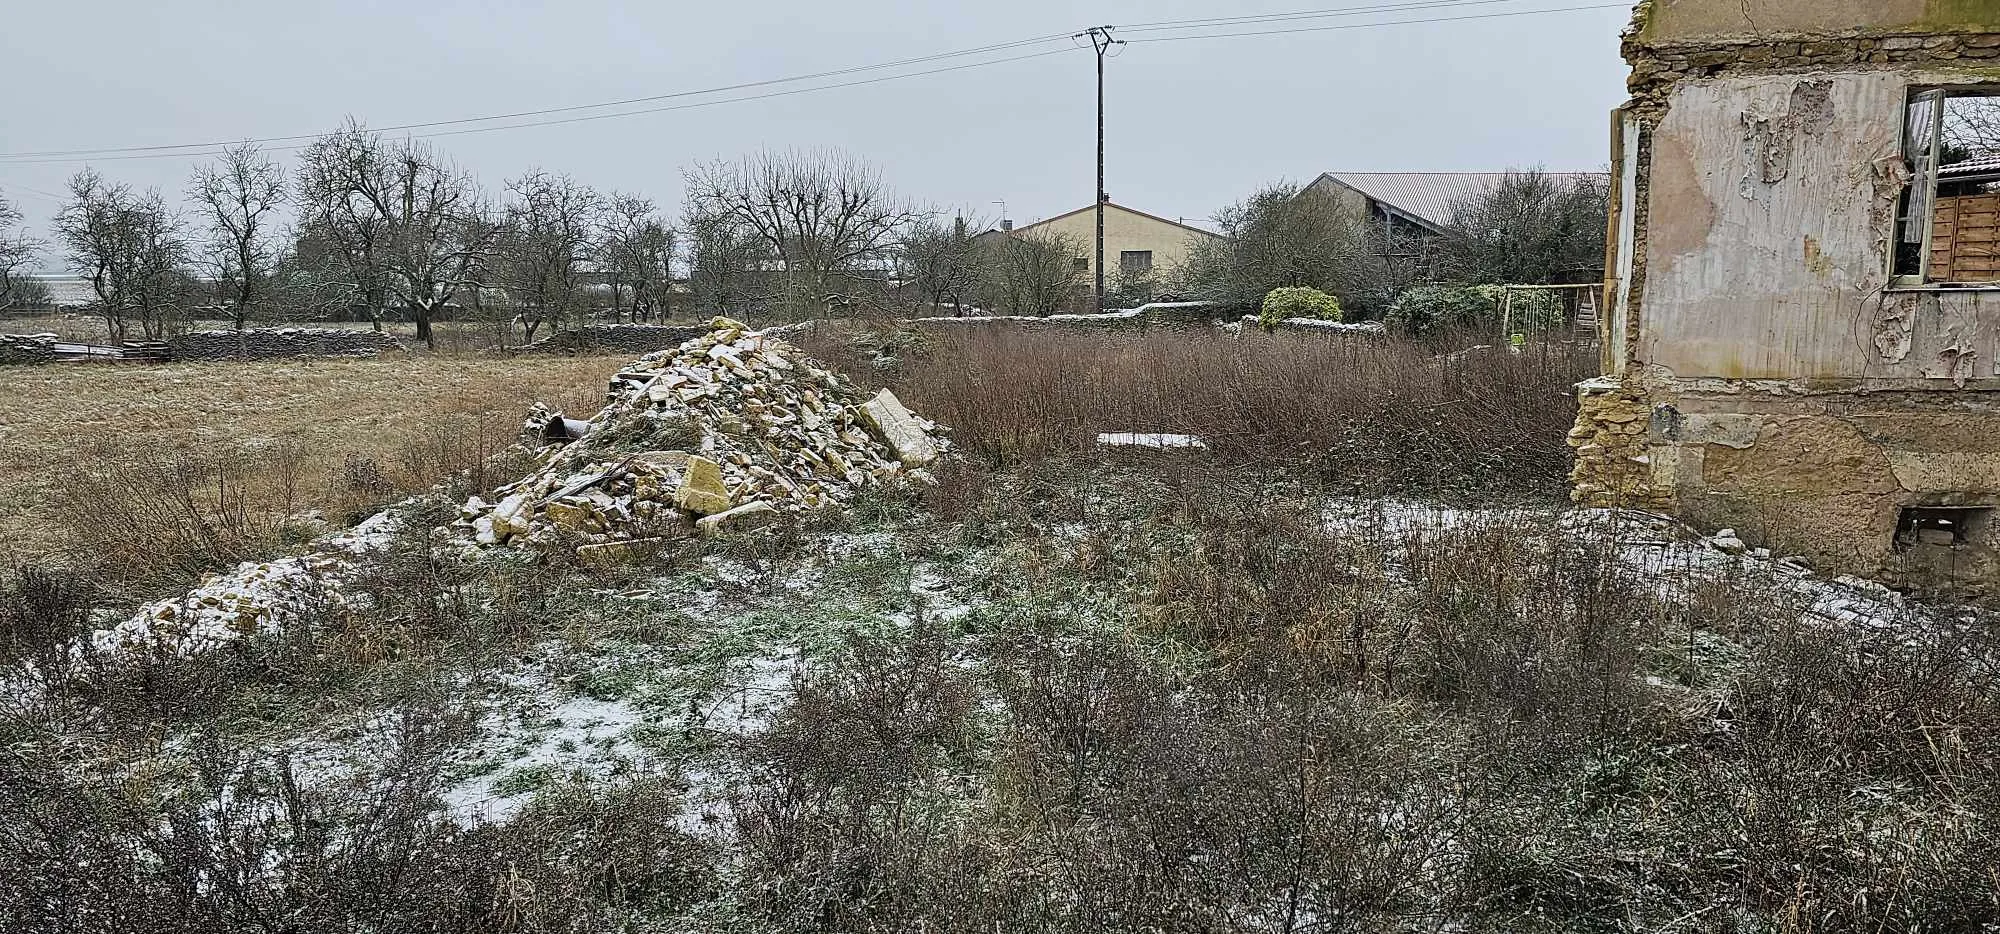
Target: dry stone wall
(27, 348)
(279, 344)
(619, 338)
(1613, 464)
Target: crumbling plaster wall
(1787, 391)
(1773, 204)
(1825, 474)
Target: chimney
(1006, 225)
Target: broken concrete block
(899, 429)
(746, 516)
(702, 489)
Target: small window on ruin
(1936, 525)
(1080, 264)
(1948, 233)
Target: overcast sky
(1193, 125)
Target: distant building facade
(1137, 246)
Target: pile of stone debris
(256, 597)
(727, 430)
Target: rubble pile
(726, 430)
(255, 597)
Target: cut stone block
(613, 554)
(899, 429)
(702, 490)
(746, 516)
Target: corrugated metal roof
(1429, 196)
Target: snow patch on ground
(534, 732)
(1677, 559)
(1157, 441)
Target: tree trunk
(422, 314)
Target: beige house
(1804, 337)
(1137, 245)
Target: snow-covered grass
(1123, 685)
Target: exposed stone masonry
(279, 344)
(1613, 467)
(27, 348)
(1658, 66)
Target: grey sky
(1193, 125)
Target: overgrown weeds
(1371, 415)
(1305, 722)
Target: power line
(1400, 22)
(997, 47)
(1192, 27)
(567, 120)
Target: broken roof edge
(1698, 23)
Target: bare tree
(546, 237)
(1284, 236)
(342, 243)
(238, 197)
(1033, 273)
(729, 269)
(942, 261)
(826, 216)
(637, 252)
(17, 250)
(132, 250)
(411, 227)
(1530, 228)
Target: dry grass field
(332, 435)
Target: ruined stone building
(1803, 338)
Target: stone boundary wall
(1318, 326)
(27, 348)
(1158, 314)
(279, 344)
(624, 338)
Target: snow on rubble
(725, 430)
(255, 597)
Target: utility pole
(1100, 42)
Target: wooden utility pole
(1100, 42)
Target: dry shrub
(153, 516)
(241, 843)
(1493, 723)
(845, 810)
(1373, 414)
